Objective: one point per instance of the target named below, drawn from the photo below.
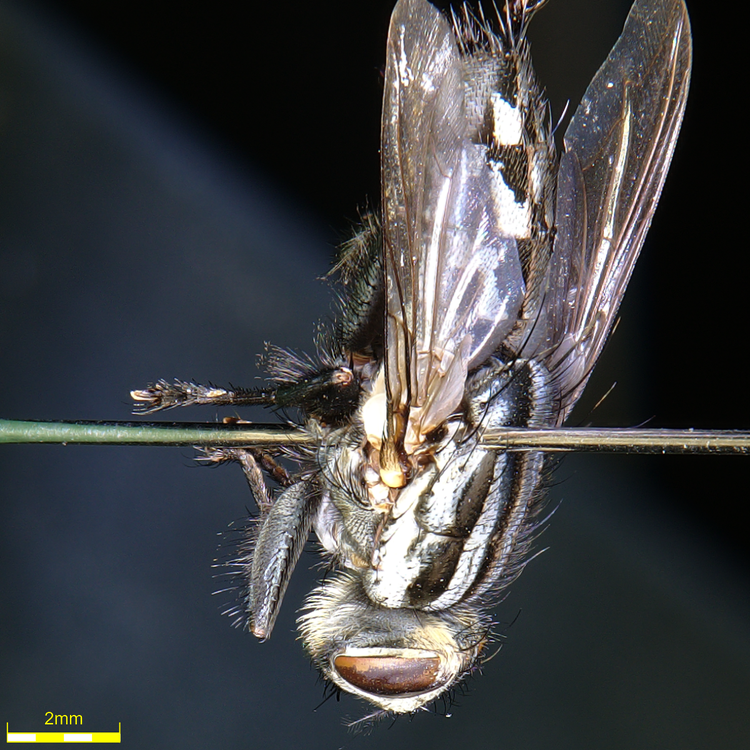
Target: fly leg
(270, 553)
(164, 395)
(253, 462)
(330, 394)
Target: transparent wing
(617, 152)
(453, 281)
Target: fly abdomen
(456, 529)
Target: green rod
(150, 433)
(572, 439)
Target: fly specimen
(480, 299)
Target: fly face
(482, 298)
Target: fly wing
(453, 279)
(617, 152)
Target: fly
(478, 299)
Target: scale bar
(111, 737)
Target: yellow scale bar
(63, 736)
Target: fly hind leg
(253, 462)
(272, 548)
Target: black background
(173, 181)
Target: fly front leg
(164, 395)
(330, 394)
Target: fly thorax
(355, 503)
(345, 523)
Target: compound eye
(389, 675)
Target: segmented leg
(272, 550)
(251, 466)
(163, 395)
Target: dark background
(172, 182)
